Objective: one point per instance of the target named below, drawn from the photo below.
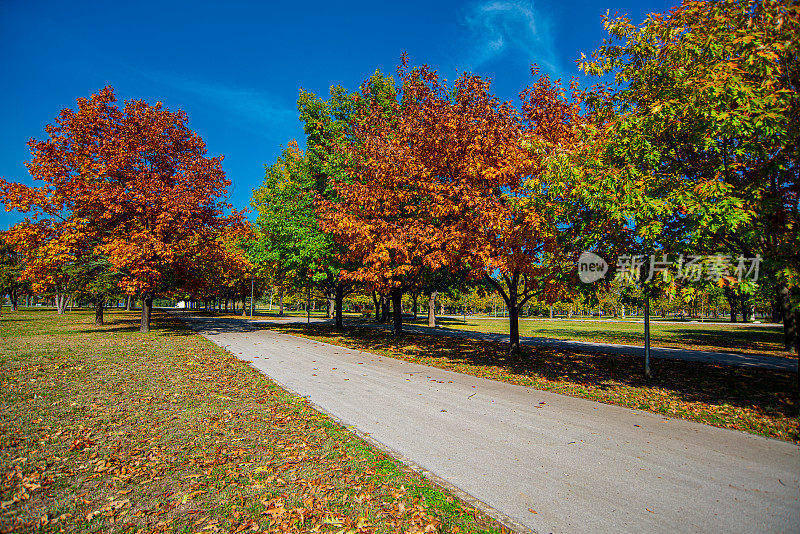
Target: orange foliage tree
(131, 184)
(453, 179)
(386, 209)
(222, 272)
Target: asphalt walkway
(541, 461)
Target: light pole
(647, 336)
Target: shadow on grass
(121, 322)
(754, 338)
(12, 316)
(771, 393)
(767, 340)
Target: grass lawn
(727, 338)
(753, 400)
(104, 429)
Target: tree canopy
(701, 148)
(132, 184)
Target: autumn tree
(132, 184)
(450, 178)
(702, 141)
(377, 209)
(523, 225)
(221, 271)
(46, 248)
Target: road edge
(500, 517)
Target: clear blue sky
(236, 67)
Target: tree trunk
(397, 309)
(331, 300)
(789, 320)
(647, 336)
(551, 311)
(513, 324)
(280, 301)
(338, 301)
(745, 310)
(732, 305)
(99, 304)
(414, 309)
(384, 309)
(308, 305)
(128, 300)
(147, 308)
(377, 302)
(61, 303)
(13, 296)
(432, 309)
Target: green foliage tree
(289, 245)
(93, 278)
(702, 141)
(10, 271)
(329, 125)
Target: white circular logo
(591, 267)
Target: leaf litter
(106, 429)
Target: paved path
(580, 466)
(630, 320)
(726, 358)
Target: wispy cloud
(249, 104)
(500, 28)
(244, 105)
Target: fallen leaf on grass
(193, 494)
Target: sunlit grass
(751, 339)
(110, 430)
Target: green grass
(729, 338)
(105, 429)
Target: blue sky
(236, 67)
